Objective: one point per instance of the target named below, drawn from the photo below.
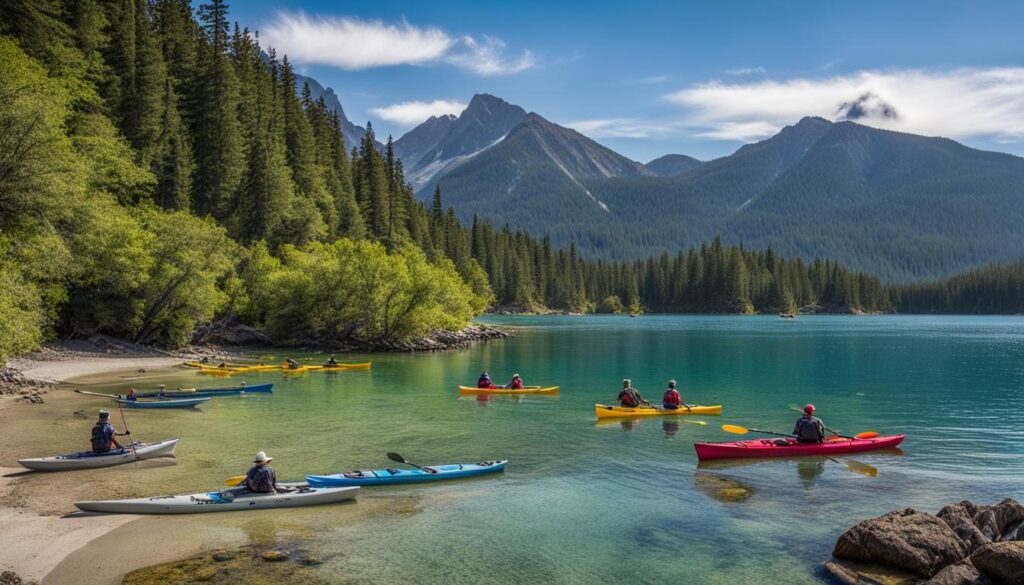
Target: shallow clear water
(620, 502)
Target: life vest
(628, 397)
(483, 383)
(809, 430)
(516, 384)
(672, 398)
(100, 438)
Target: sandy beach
(39, 532)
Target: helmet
(671, 383)
(104, 415)
(626, 382)
(514, 376)
(809, 409)
(485, 375)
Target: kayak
(91, 460)
(603, 411)
(223, 501)
(359, 366)
(523, 390)
(172, 403)
(399, 476)
(790, 448)
(192, 392)
(213, 368)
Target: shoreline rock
(964, 544)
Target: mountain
(535, 176)
(441, 143)
(898, 205)
(353, 134)
(672, 165)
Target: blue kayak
(169, 403)
(398, 476)
(194, 392)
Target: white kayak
(92, 460)
(222, 501)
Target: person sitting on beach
(131, 397)
(516, 383)
(484, 381)
(261, 477)
(292, 364)
(331, 361)
(672, 400)
(629, 397)
(809, 428)
(103, 434)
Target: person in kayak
(261, 477)
(515, 384)
(104, 433)
(331, 361)
(629, 397)
(131, 397)
(292, 364)
(809, 428)
(672, 400)
(484, 381)
(163, 391)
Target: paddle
(864, 435)
(114, 396)
(399, 459)
(127, 432)
(855, 466)
(233, 481)
(738, 430)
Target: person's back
(103, 434)
(671, 400)
(261, 477)
(629, 397)
(484, 381)
(809, 428)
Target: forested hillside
(158, 171)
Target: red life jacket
(516, 384)
(484, 383)
(672, 398)
(628, 397)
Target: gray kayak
(222, 501)
(91, 460)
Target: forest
(159, 170)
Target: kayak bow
(523, 390)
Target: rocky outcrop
(1001, 562)
(14, 383)
(964, 544)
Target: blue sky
(650, 78)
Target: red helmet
(809, 409)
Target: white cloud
(960, 104)
(412, 113)
(486, 57)
(351, 43)
(745, 71)
(624, 127)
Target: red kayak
(790, 448)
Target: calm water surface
(588, 503)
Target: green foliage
(21, 314)
(611, 305)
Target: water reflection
(671, 428)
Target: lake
(582, 502)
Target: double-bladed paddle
(855, 466)
(864, 435)
(399, 459)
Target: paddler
(292, 364)
(484, 381)
(331, 361)
(261, 477)
(516, 383)
(672, 400)
(163, 390)
(629, 397)
(809, 428)
(103, 434)
(131, 397)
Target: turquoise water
(622, 502)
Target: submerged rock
(274, 556)
(723, 488)
(247, 565)
(851, 573)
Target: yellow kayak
(603, 411)
(523, 390)
(357, 366)
(229, 369)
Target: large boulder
(962, 573)
(1001, 562)
(905, 539)
(979, 525)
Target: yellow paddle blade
(233, 481)
(694, 422)
(861, 468)
(734, 429)
(867, 435)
